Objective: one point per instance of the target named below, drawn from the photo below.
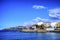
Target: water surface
(16, 35)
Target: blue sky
(22, 12)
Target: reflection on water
(28, 36)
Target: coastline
(34, 31)
(41, 31)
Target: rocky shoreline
(40, 31)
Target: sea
(17, 35)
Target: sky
(26, 12)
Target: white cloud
(39, 7)
(54, 13)
(36, 20)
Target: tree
(31, 28)
(40, 26)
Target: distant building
(34, 26)
(57, 26)
(47, 24)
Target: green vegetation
(40, 26)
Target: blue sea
(17, 35)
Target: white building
(53, 26)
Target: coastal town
(38, 27)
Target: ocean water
(16, 35)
